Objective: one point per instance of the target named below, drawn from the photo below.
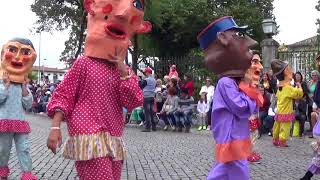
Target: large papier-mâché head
(17, 58)
(111, 24)
(282, 71)
(254, 72)
(226, 47)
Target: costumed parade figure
(227, 54)
(91, 96)
(285, 95)
(17, 58)
(254, 123)
(314, 167)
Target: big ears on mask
(145, 26)
(222, 38)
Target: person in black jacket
(301, 104)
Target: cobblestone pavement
(166, 155)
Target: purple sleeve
(237, 102)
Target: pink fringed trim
(18, 126)
(285, 117)
(4, 171)
(28, 176)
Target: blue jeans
(148, 112)
(168, 116)
(22, 148)
(183, 117)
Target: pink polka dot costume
(98, 86)
(91, 96)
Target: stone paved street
(166, 155)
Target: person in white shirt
(202, 108)
(209, 90)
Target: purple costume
(315, 163)
(230, 127)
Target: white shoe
(141, 124)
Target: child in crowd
(203, 109)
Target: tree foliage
(318, 20)
(176, 23)
(62, 15)
(181, 21)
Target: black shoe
(311, 136)
(179, 129)
(154, 128)
(146, 130)
(307, 176)
(187, 130)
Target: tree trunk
(135, 54)
(81, 35)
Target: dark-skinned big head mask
(226, 48)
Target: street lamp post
(39, 58)
(269, 45)
(43, 78)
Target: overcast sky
(296, 19)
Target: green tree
(63, 15)
(70, 15)
(318, 20)
(33, 75)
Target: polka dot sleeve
(131, 95)
(64, 97)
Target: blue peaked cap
(209, 34)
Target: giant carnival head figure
(282, 71)
(226, 47)
(17, 58)
(254, 72)
(111, 24)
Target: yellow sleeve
(295, 93)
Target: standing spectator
(263, 111)
(208, 88)
(315, 99)
(173, 72)
(268, 122)
(159, 97)
(184, 111)
(188, 84)
(202, 108)
(149, 87)
(168, 108)
(314, 94)
(272, 82)
(313, 83)
(265, 82)
(301, 104)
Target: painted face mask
(226, 47)
(253, 73)
(111, 24)
(17, 59)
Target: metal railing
(302, 61)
